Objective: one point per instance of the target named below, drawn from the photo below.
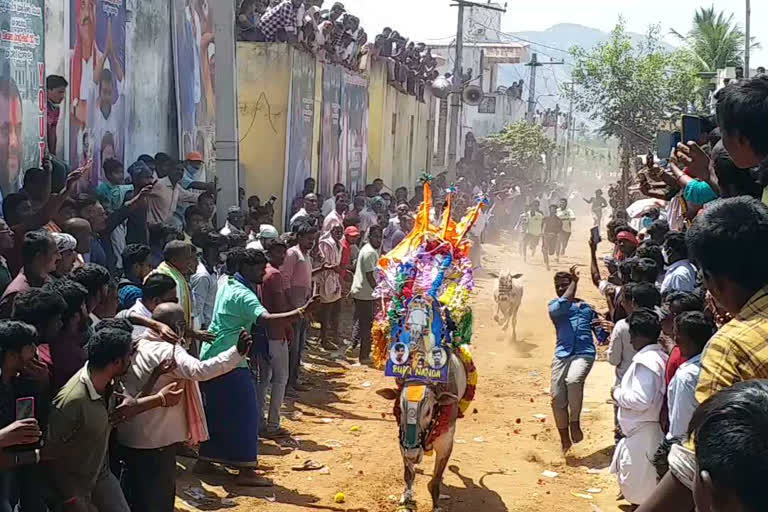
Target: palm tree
(716, 40)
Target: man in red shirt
(274, 367)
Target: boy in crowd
(137, 266)
(692, 332)
(640, 398)
(574, 356)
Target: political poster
(416, 352)
(300, 131)
(194, 50)
(22, 90)
(354, 130)
(97, 83)
(330, 131)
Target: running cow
(508, 295)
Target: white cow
(508, 294)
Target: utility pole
(457, 82)
(532, 85)
(568, 130)
(747, 41)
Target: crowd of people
(684, 321)
(133, 327)
(335, 35)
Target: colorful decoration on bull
(425, 285)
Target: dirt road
(501, 447)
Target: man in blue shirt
(574, 356)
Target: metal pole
(532, 87)
(747, 41)
(456, 91)
(568, 132)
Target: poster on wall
(330, 130)
(97, 83)
(300, 132)
(22, 92)
(354, 130)
(194, 65)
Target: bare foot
(249, 478)
(565, 439)
(576, 434)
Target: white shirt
(680, 276)
(681, 397)
(620, 350)
(641, 393)
(328, 206)
(567, 216)
(301, 213)
(229, 229)
(140, 310)
(164, 426)
(204, 287)
(331, 220)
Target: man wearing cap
(194, 173)
(264, 239)
(235, 222)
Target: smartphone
(693, 128)
(594, 235)
(25, 408)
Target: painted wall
(398, 140)
(264, 80)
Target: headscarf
(629, 237)
(64, 242)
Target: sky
(435, 20)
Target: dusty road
(502, 448)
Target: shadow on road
(473, 496)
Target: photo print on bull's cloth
(422, 337)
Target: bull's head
(507, 280)
(418, 403)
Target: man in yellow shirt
(532, 225)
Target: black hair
(85, 200)
(34, 176)
(652, 250)
(121, 324)
(235, 258)
(35, 243)
(135, 253)
(206, 195)
(731, 432)
(107, 346)
(676, 242)
(254, 257)
(645, 295)
(147, 159)
(645, 270)
(15, 335)
(338, 187)
(73, 293)
(725, 241)
(156, 285)
(175, 248)
(37, 306)
(697, 326)
(11, 204)
(304, 228)
(374, 229)
(742, 107)
(207, 238)
(162, 157)
(192, 210)
(55, 81)
(563, 275)
(659, 227)
(94, 277)
(688, 301)
(111, 165)
(644, 322)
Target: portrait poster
(300, 128)
(97, 83)
(354, 130)
(417, 352)
(194, 59)
(330, 131)
(22, 90)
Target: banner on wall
(300, 132)
(22, 90)
(97, 83)
(354, 131)
(194, 65)
(330, 131)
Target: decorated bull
(508, 295)
(421, 338)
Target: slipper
(309, 465)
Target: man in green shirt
(79, 426)
(363, 285)
(532, 221)
(231, 403)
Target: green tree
(715, 40)
(517, 149)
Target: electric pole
(458, 82)
(747, 41)
(568, 129)
(532, 85)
